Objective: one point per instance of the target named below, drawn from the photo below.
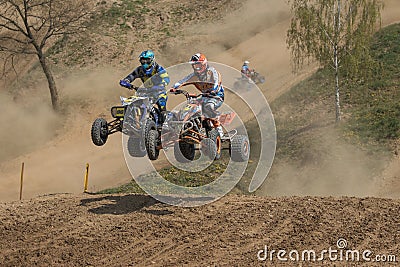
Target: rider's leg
(162, 106)
(210, 106)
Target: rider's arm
(187, 79)
(133, 75)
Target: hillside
(317, 157)
(87, 96)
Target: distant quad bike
(189, 127)
(243, 81)
(136, 117)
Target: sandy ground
(135, 230)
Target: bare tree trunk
(337, 89)
(50, 80)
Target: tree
(335, 33)
(26, 26)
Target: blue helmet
(147, 58)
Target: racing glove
(175, 91)
(125, 83)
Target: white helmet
(246, 62)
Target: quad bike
(257, 78)
(243, 81)
(189, 127)
(135, 117)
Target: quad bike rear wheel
(259, 79)
(136, 147)
(239, 148)
(99, 132)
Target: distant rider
(153, 76)
(246, 71)
(207, 80)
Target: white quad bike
(243, 81)
(135, 117)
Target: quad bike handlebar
(189, 96)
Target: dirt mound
(136, 230)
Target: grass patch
(376, 105)
(131, 187)
(371, 109)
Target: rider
(246, 71)
(153, 76)
(207, 80)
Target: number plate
(118, 112)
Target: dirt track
(135, 230)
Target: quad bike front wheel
(239, 148)
(212, 146)
(152, 145)
(184, 152)
(216, 138)
(99, 132)
(208, 148)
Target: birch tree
(26, 26)
(335, 33)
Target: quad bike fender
(226, 118)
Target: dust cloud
(63, 144)
(27, 123)
(252, 19)
(215, 39)
(330, 167)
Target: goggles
(145, 61)
(197, 66)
